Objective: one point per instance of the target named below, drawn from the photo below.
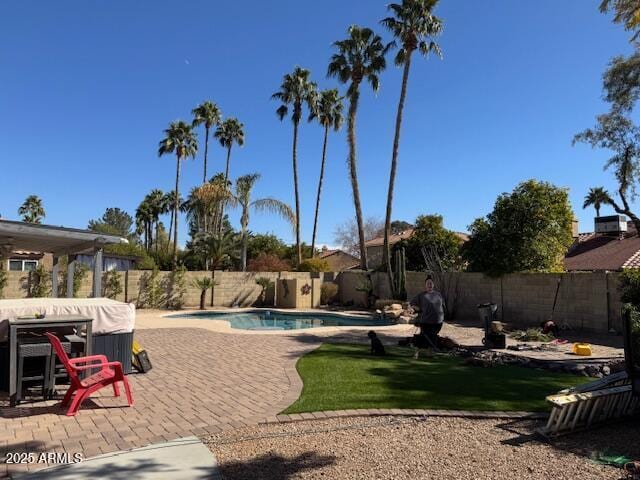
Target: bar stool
(33, 347)
(73, 345)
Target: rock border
(382, 412)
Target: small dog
(377, 348)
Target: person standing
(432, 307)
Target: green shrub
(630, 287)
(152, 292)
(531, 335)
(80, 272)
(177, 288)
(314, 265)
(39, 282)
(328, 293)
(3, 282)
(112, 285)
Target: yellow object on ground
(137, 348)
(583, 349)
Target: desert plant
(366, 287)
(3, 282)
(328, 293)
(151, 295)
(265, 283)
(39, 282)
(177, 288)
(531, 335)
(112, 285)
(314, 265)
(203, 284)
(630, 287)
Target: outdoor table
(17, 324)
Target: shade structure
(59, 241)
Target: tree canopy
(529, 230)
(429, 232)
(114, 221)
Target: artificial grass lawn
(340, 377)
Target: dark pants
(430, 332)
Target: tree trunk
(206, 151)
(226, 180)
(170, 230)
(295, 189)
(244, 226)
(392, 178)
(175, 213)
(353, 173)
(315, 219)
(597, 210)
(626, 210)
(157, 232)
(203, 294)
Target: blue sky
(88, 87)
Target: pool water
(268, 320)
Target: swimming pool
(276, 320)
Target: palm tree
(219, 248)
(144, 220)
(229, 132)
(207, 114)
(329, 114)
(156, 202)
(203, 284)
(597, 196)
(414, 26)
(359, 57)
(296, 90)
(181, 140)
(32, 210)
(242, 198)
(168, 203)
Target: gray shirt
(431, 307)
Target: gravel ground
(410, 448)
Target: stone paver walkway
(201, 382)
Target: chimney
(574, 228)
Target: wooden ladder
(577, 411)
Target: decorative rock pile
(398, 313)
(491, 358)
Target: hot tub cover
(109, 316)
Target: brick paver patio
(201, 382)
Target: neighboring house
(339, 260)
(375, 246)
(23, 261)
(613, 246)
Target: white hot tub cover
(109, 316)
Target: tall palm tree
(414, 26)
(181, 140)
(230, 131)
(169, 202)
(209, 115)
(144, 221)
(328, 112)
(156, 201)
(32, 210)
(359, 57)
(296, 90)
(597, 196)
(242, 198)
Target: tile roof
(594, 251)
(404, 235)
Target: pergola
(59, 241)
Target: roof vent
(611, 224)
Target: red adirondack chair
(110, 373)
